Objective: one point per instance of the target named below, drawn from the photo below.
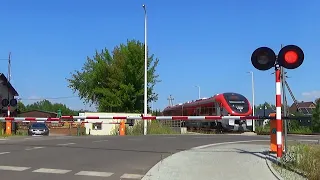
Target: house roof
(5, 81)
(49, 112)
(307, 111)
(305, 107)
(305, 104)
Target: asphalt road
(99, 157)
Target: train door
(218, 109)
(198, 111)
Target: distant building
(38, 113)
(306, 107)
(7, 97)
(263, 112)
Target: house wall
(294, 108)
(106, 127)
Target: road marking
(204, 137)
(34, 137)
(52, 171)
(169, 137)
(4, 153)
(100, 141)
(61, 137)
(13, 168)
(134, 139)
(131, 176)
(28, 149)
(94, 173)
(3, 139)
(225, 143)
(66, 144)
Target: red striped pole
(8, 113)
(278, 113)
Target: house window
(96, 126)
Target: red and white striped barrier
(29, 119)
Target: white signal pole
(199, 96)
(253, 107)
(145, 71)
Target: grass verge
(153, 127)
(260, 130)
(303, 159)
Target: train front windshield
(237, 102)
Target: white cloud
(311, 95)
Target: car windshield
(38, 125)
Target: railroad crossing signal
(263, 58)
(289, 57)
(11, 102)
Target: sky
(204, 43)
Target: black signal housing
(263, 58)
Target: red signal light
(290, 57)
(263, 58)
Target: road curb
(269, 164)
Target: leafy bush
(153, 127)
(263, 129)
(299, 130)
(304, 158)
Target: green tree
(266, 104)
(21, 107)
(46, 105)
(316, 118)
(114, 82)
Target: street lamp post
(145, 71)
(198, 91)
(253, 107)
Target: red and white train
(225, 104)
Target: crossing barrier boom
(194, 118)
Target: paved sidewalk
(219, 162)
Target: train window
(237, 102)
(203, 110)
(233, 98)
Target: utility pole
(170, 99)
(9, 78)
(283, 80)
(199, 96)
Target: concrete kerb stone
(268, 158)
(157, 166)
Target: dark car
(38, 128)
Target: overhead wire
(48, 98)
